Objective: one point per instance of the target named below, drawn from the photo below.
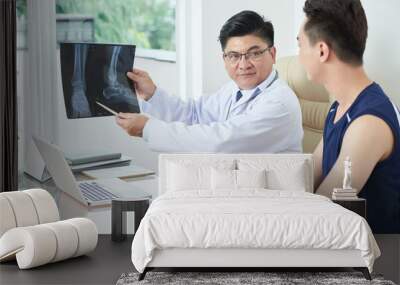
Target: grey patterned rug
(243, 278)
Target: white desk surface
(70, 208)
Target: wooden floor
(102, 266)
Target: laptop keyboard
(92, 191)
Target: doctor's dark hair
(247, 23)
(341, 24)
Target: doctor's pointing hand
(256, 112)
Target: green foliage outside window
(21, 7)
(146, 23)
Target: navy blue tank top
(382, 189)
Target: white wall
(215, 13)
(382, 53)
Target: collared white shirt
(266, 120)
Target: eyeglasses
(234, 57)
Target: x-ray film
(97, 72)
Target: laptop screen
(97, 72)
(58, 168)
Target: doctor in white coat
(254, 113)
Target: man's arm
(317, 156)
(367, 141)
(268, 127)
(173, 109)
(157, 103)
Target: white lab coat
(267, 123)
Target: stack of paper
(91, 156)
(344, 194)
(123, 160)
(129, 171)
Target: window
(149, 24)
(21, 23)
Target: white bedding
(250, 218)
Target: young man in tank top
(362, 122)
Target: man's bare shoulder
(370, 124)
(369, 131)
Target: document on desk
(118, 172)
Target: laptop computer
(97, 192)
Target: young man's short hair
(341, 24)
(247, 23)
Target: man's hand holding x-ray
(133, 124)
